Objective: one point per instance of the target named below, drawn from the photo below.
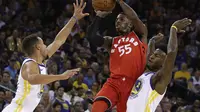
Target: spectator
(65, 106)
(8, 98)
(2, 102)
(95, 67)
(87, 100)
(6, 81)
(13, 41)
(183, 73)
(40, 108)
(192, 51)
(95, 88)
(67, 65)
(89, 79)
(194, 82)
(45, 100)
(52, 67)
(89, 107)
(166, 104)
(159, 109)
(78, 107)
(2, 39)
(79, 82)
(78, 96)
(57, 107)
(195, 107)
(52, 91)
(11, 68)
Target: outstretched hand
(78, 10)
(70, 73)
(181, 24)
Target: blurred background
(19, 18)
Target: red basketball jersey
(128, 56)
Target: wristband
(175, 27)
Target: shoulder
(30, 63)
(139, 38)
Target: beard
(124, 29)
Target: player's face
(156, 60)
(123, 24)
(42, 48)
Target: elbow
(32, 81)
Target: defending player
(127, 60)
(151, 86)
(32, 74)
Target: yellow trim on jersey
(151, 98)
(27, 88)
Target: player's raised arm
(151, 45)
(65, 31)
(165, 73)
(94, 36)
(139, 27)
(30, 72)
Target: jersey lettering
(124, 49)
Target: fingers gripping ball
(103, 5)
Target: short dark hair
(60, 87)
(162, 47)
(56, 104)
(6, 72)
(29, 42)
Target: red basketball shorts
(116, 92)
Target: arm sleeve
(93, 32)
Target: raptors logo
(136, 88)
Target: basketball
(103, 5)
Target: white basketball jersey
(27, 96)
(143, 98)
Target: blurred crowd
(19, 18)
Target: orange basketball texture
(103, 5)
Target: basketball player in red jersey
(127, 60)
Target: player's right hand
(102, 14)
(181, 24)
(70, 73)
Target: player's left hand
(181, 24)
(78, 10)
(158, 37)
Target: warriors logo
(136, 88)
